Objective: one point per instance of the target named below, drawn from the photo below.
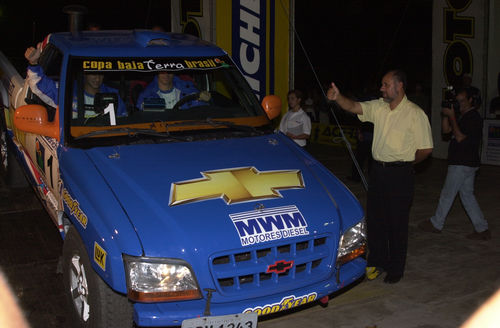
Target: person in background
(296, 124)
(401, 137)
(309, 106)
(463, 163)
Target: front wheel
(93, 303)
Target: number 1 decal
(49, 165)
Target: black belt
(393, 164)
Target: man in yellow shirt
(401, 137)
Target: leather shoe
(392, 279)
(427, 226)
(483, 235)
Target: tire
(92, 303)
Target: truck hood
(188, 197)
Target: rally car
(191, 212)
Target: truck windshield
(119, 95)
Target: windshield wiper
(228, 124)
(132, 131)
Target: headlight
(352, 243)
(159, 280)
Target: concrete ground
(447, 275)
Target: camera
(450, 98)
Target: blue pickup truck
(181, 209)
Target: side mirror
(34, 119)
(272, 106)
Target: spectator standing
(296, 124)
(463, 163)
(402, 137)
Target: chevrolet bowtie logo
(278, 267)
(235, 185)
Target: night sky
(349, 41)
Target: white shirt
(296, 123)
(171, 97)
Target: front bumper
(173, 313)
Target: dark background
(352, 42)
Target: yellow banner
(256, 35)
(330, 135)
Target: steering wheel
(186, 99)
(204, 96)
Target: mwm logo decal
(235, 185)
(269, 224)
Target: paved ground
(447, 276)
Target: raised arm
(40, 84)
(345, 103)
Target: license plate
(242, 320)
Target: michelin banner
(254, 32)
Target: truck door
(41, 151)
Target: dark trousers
(390, 194)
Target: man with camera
(463, 162)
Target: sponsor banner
(330, 135)
(255, 33)
(458, 48)
(271, 224)
(151, 65)
(491, 142)
(287, 303)
(248, 42)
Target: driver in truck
(47, 89)
(169, 89)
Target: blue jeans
(460, 179)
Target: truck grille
(246, 271)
